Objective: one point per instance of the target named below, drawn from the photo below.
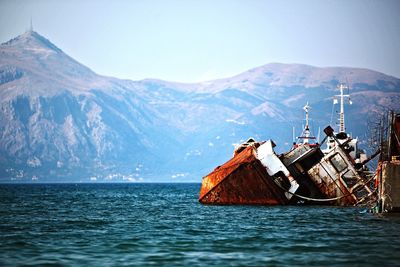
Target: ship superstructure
(306, 136)
(342, 137)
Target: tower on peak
(31, 26)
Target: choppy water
(164, 225)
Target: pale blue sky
(191, 41)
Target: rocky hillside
(60, 121)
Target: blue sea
(164, 225)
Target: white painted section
(268, 158)
(273, 165)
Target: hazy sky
(198, 40)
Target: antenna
(31, 27)
(306, 134)
(348, 90)
(307, 108)
(342, 127)
(294, 136)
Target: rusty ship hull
(241, 180)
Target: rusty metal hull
(242, 180)
(336, 177)
(331, 187)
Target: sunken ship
(333, 172)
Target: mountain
(60, 121)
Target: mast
(307, 128)
(294, 135)
(306, 134)
(341, 135)
(342, 127)
(341, 124)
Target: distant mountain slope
(60, 121)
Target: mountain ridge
(60, 121)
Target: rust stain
(242, 180)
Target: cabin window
(361, 192)
(338, 162)
(350, 178)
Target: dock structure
(389, 167)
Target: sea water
(164, 225)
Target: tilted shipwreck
(307, 174)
